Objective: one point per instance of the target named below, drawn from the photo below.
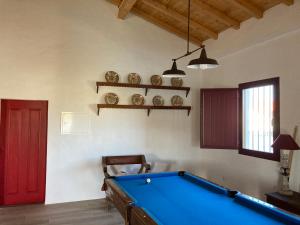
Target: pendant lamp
(203, 62)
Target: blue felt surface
(186, 200)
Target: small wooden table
(288, 203)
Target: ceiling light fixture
(203, 62)
(174, 72)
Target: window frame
(276, 117)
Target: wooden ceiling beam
(161, 24)
(180, 18)
(288, 2)
(249, 7)
(125, 7)
(215, 13)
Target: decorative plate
(176, 101)
(176, 82)
(158, 101)
(134, 78)
(112, 77)
(111, 99)
(137, 99)
(156, 80)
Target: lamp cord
(188, 52)
(188, 32)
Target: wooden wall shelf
(144, 86)
(146, 107)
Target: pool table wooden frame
(132, 215)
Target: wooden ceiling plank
(161, 24)
(249, 7)
(166, 2)
(216, 13)
(125, 7)
(179, 17)
(167, 27)
(288, 2)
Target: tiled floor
(92, 212)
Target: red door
(24, 146)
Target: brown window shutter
(219, 118)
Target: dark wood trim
(132, 215)
(288, 203)
(123, 160)
(220, 89)
(144, 86)
(139, 217)
(217, 147)
(111, 183)
(272, 81)
(260, 83)
(258, 154)
(202, 145)
(120, 200)
(147, 107)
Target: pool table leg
(109, 204)
(127, 215)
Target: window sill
(263, 155)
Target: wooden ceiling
(208, 17)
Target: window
(259, 118)
(244, 118)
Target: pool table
(181, 198)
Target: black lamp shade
(203, 62)
(174, 72)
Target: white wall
(264, 48)
(56, 50)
